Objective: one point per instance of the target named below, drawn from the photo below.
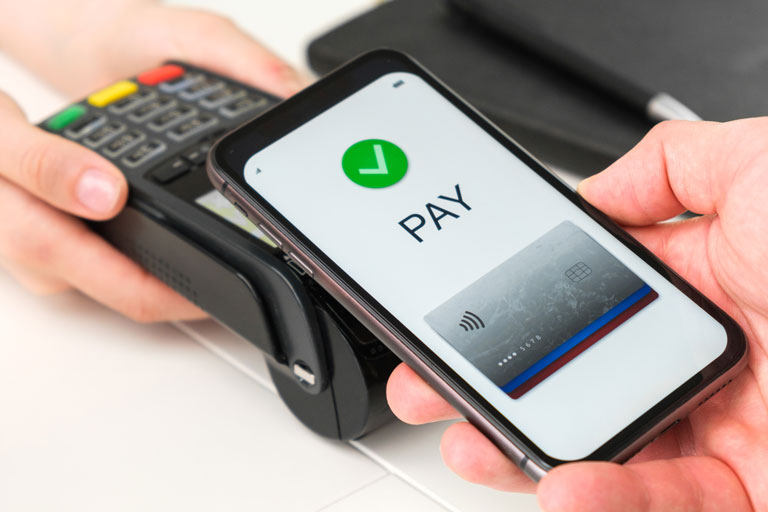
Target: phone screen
(561, 327)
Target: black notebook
(711, 55)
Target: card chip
(578, 272)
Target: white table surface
(100, 413)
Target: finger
(413, 400)
(58, 171)
(474, 458)
(683, 246)
(48, 241)
(36, 282)
(679, 165)
(675, 442)
(234, 53)
(688, 483)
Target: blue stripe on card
(580, 336)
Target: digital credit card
(535, 312)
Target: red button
(161, 74)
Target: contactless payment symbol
(374, 163)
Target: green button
(66, 117)
(374, 163)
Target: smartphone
(550, 328)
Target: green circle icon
(374, 163)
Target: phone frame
(225, 168)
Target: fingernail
(292, 80)
(97, 191)
(293, 84)
(582, 184)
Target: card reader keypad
(104, 134)
(155, 123)
(157, 128)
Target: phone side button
(668, 427)
(301, 264)
(272, 238)
(531, 469)
(241, 209)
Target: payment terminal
(157, 128)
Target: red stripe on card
(584, 345)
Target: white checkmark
(382, 164)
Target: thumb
(58, 171)
(678, 166)
(687, 483)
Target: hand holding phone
(552, 330)
(710, 457)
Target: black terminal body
(157, 129)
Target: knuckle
(665, 129)
(33, 171)
(31, 249)
(749, 125)
(745, 136)
(40, 252)
(35, 282)
(143, 306)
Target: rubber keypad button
(161, 74)
(66, 117)
(112, 93)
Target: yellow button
(112, 93)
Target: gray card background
(530, 299)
